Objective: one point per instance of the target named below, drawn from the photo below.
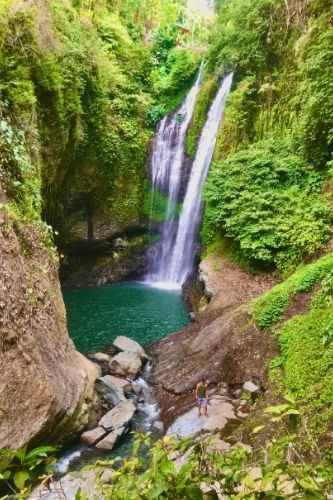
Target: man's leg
(199, 408)
(205, 410)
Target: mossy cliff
(267, 194)
(82, 87)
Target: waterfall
(167, 160)
(174, 262)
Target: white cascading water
(174, 262)
(166, 170)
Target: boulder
(190, 424)
(136, 389)
(90, 438)
(46, 387)
(99, 357)
(158, 425)
(125, 344)
(218, 445)
(125, 364)
(111, 389)
(240, 414)
(66, 488)
(131, 389)
(110, 440)
(119, 416)
(128, 390)
(250, 387)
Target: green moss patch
(270, 307)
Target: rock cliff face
(46, 387)
(112, 258)
(224, 343)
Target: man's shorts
(202, 401)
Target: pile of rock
(119, 391)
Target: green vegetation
(306, 354)
(268, 194)
(21, 177)
(82, 86)
(21, 468)
(266, 200)
(206, 93)
(269, 308)
(275, 145)
(155, 206)
(305, 340)
(151, 471)
(239, 37)
(226, 473)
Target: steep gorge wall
(81, 91)
(45, 384)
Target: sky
(201, 8)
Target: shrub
(266, 200)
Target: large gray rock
(110, 440)
(90, 438)
(250, 387)
(190, 424)
(125, 344)
(67, 487)
(126, 364)
(111, 389)
(119, 416)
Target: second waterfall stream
(173, 257)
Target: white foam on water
(63, 464)
(164, 285)
(151, 412)
(140, 381)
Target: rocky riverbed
(119, 391)
(223, 344)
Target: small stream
(95, 317)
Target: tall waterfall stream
(173, 259)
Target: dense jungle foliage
(267, 195)
(82, 86)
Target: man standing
(201, 395)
